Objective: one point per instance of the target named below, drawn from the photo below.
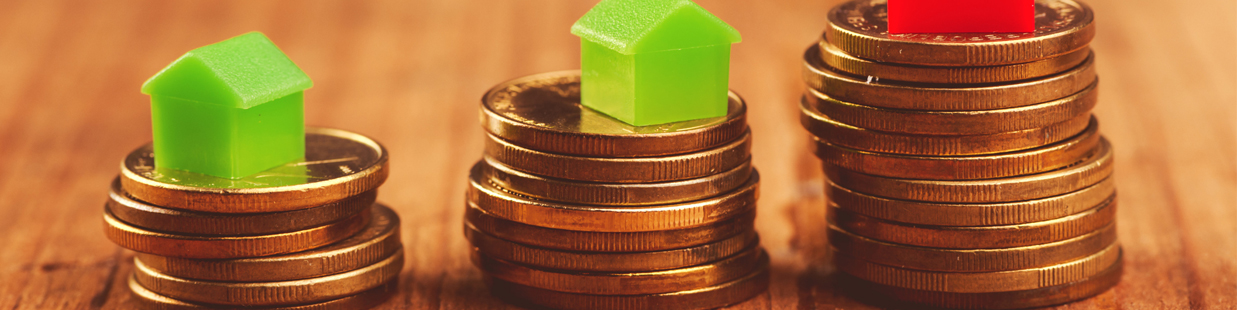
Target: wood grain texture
(410, 73)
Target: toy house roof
(240, 72)
(638, 26)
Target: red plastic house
(953, 16)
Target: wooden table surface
(410, 74)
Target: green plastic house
(230, 109)
(648, 62)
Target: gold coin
(971, 260)
(860, 28)
(588, 241)
(543, 112)
(1041, 297)
(146, 300)
(503, 204)
(1042, 159)
(379, 240)
(711, 297)
(979, 122)
(853, 137)
(1095, 168)
(615, 194)
(837, 59)
(337, 165)
(174, 221)
(981, 282)
(635, 283)
(943, 97)
(219, 247)
(969, 214)
(976, 237)
(608, 262)
(282, 293)
(621, 170)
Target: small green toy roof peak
(638, 26)
(241, 72)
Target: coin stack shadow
(571, 209)
(304, 235)
(964, 170)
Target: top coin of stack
(572, 209)
(965, 170)
(305, 234)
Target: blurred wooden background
(410, 73)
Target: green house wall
(224, 141)
(655, 87)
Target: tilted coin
(863, 139)
(971, 260)
(379, 240)
(943, 97)
(506, 205)
(972, 214)
(1025, 162)
(838, 59)
(281, 293)
(711, 297)
(219, 247)
(972, 122)
(861, 28)
(144, 299)
(976, 237)
(982, 282)
(634, 283)
(1094, 169)
(1041, 297)
(608, 262)
(338, 164)
(543, 112)
(621, 170)
(174, 221)
(625, 194)
(589, 241)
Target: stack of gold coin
(964, 170)
(306, 235)
(572, 209)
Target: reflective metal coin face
(1094, 169)
(711, 297)
(881, 295)
(552, 101)
(634, 283)
(971, 260)
(620, 242)
(976, 237)
(866, 139)
(982, 282)
(975, 122)
(378, 240)
(837, 59)
(337, 164)
(615, 194)
(861, 29)
(500, 203)
(142, 240)
(1027, 162)
(281, 293)
(536, 257)
(942, 97)
(145, 299)
(972, 214)
(174, 221)
(543, 112)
